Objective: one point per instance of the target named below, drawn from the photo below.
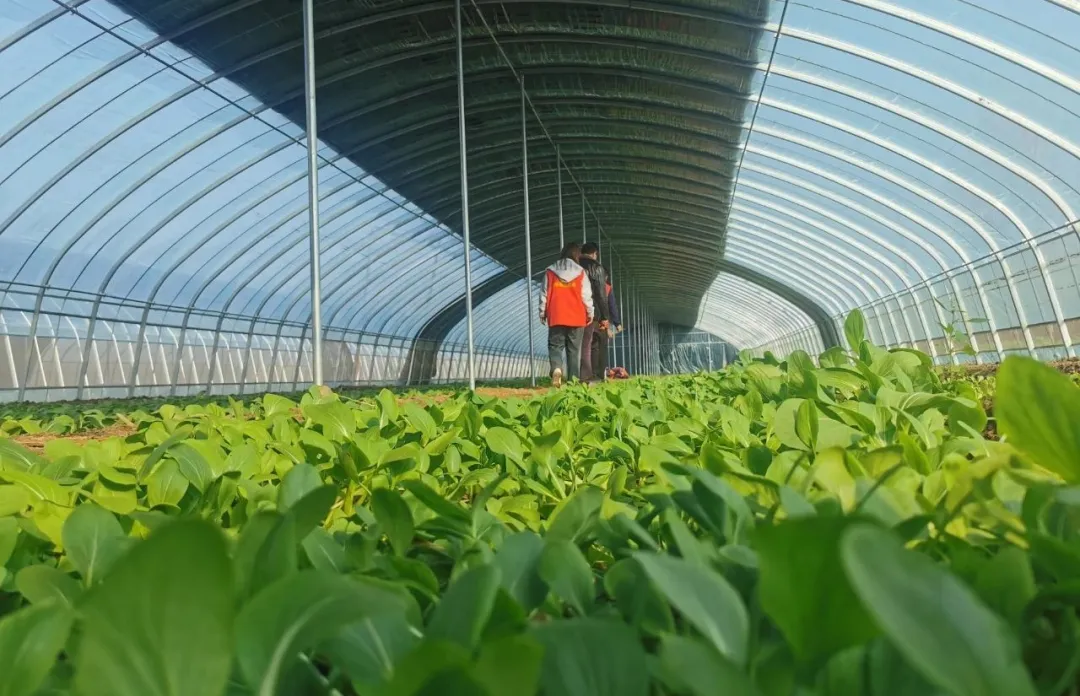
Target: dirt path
(36, 442)
(1068, 366)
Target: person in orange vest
(566, 306)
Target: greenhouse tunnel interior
(752, 170)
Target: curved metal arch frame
(852, 205)
(512, 225)
(1049, 287)
(919, 190)
(826, 332)
(900, 210)
(830, 232)
(939, 171)
(792, 272)
(385, 247)
(929, 166)
(785, 235)
(977, 147)
(211, 80)
(789, 317)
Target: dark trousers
(593, 353)
(564, 349)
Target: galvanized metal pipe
(313, 191)
(528, 232)
(464, 199)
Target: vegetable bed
(828, 527)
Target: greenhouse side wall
(1020, 316)
(57, 345)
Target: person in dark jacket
(594, 342)
(613, 312)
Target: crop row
(828, 527)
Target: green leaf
(193, 466)
(438, 504)
(691, 666)
(9, 536)
(509, 666)
(166, 486)
(94, 540)
(13, 499)
(325, 553)
(420, 419)
(705, 599)
(855, 330)
(297, 482)
(265, 552)
(591, 657)
(274, 405)
(388, 408)
(463, 611)
(161, 622)
(309, 511)
(574, 519)
(15, 457)
(637, 599)
(505, 442)
(370, 650)
(518, 559)
(785, 424)
(807, 423)
(564, 568)
(394, 518)
(334, 418)
(965, 412)
(1037, 409)
(30, 642)
(1006, 583)
(300, 612)
(42, 583)
(820, 613)
(933, 619)
(158, 452)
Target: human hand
(604, 323)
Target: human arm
(613, 309)
(598, 281)
(587, 298)
(544, 298)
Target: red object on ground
(617, 373)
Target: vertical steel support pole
(272, 374)
(313, 191)
(465, 197)
(31, 344)
(84, 370)
(558, 185)
(528, 231)
(626, 320)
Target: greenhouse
(751, 170)
(539, 348)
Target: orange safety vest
(564, 304)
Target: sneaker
(556, 377)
